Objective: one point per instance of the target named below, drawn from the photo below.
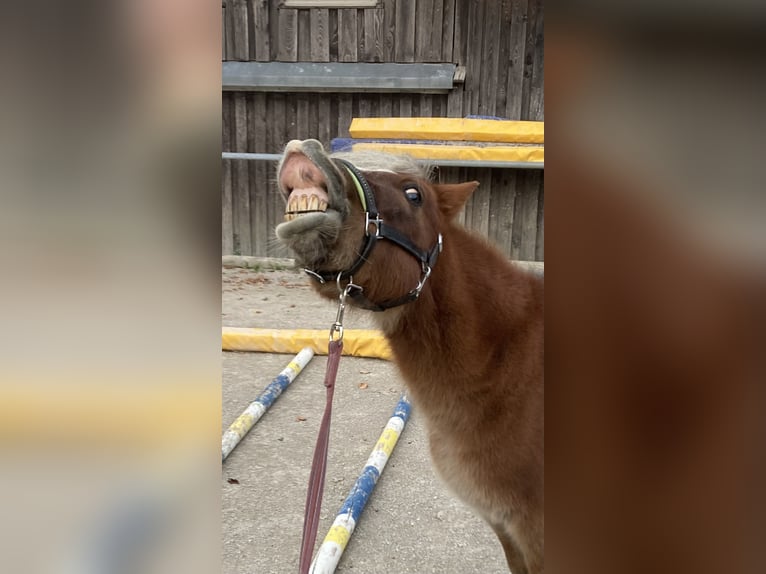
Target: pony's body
(470, 347)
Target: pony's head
(371, 216)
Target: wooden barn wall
(500, 43)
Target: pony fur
(470, 348)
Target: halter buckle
(376, 222)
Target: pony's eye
(413, 195)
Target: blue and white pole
(343, 527)
(240, 427)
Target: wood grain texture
(389, 30)
(261, 31)
(423, 29)
(303, 37)
(348, 49)
(434, 50)
(240, 178)
(490, 52)
(288, 36)
(515, 72)
(529, 55)
(540, 241)
(405, 31)
(260, 180)
(237, 38)
(536, 109)
(374, 36)
(319, 35)
(227, 206)
(448, 30)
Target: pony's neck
(473, 303)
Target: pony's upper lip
(305, 188)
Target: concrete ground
(411, 524)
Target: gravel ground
(411, 524)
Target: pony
(465, 326)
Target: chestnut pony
(464, 324)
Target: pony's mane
(379, 161)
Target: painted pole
(240, 427)
(335, 541)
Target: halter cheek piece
(381, 231)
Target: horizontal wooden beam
(337, 77)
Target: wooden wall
(500, 43)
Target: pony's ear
(452, 196)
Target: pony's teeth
(313, 203)
(322, 205)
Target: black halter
(382, 231)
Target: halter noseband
(382, 231)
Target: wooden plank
(389, 31)
(529, 56)
(347, 36)
(460, 42)
(405, 106)
(312, 129)
(333, 4)
(241, 180)
(365, 107)
(261, 30)
(448, 30)
(333, 35)
(423, 28)
(537, 87)
(259, 196)
(227, 206)
(237, 32)
(503, 48)
(529, 217)
(320, 35)
(304, 36)
(540, 241)
(223, 32)
(455, 102)
(302, 106)
(501, 208)
(274, 11)
(277, 117)
(345, 114)
(426, 106)
(288, 36)
(474, 65)
(374, 36)
(405, 32)
(466, 217)
(386, 106)
(517, 41)
(438, 105)
(291, 117)
(326, 127)
(434, 50)
(481, 199)
(490, 58)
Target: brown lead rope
(319, 464)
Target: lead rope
(319, 464)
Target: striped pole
(343, 527)
(240, 427)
